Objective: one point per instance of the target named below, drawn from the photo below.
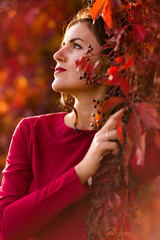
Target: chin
(58, 87)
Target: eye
(76, 46)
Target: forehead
(81, 30)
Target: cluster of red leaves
(132, 66)
(134, 37)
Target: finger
(112, 121)
(107, 136)
(112, 135)
(108, 146)
(113, 148)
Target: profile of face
(75, 45)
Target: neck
(85, 109)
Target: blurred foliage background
(31, 32)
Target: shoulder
(45, 118)
(26, 125)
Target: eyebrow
(72, 40)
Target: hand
(102, 144)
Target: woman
(46, 181)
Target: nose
(59, 55)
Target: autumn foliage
(31, 32)
(131, 72)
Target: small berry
(94, 76)
(84, 74)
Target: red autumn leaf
(139, 33)
(139, 1)
(134, 129)
(128, 152)
(124, 86)
(157, 139)
(130, 235)
(148, 115)
(96, 9)
(140, 152)
(113, 70)
(114, 76)
(111, 103)
(81, 63)
(126, 176)
(117, 200)
(114, 80)
(128, 63)
(107, 14)
(119, 60)
(120, 129)
(105, 225)
(137, 12)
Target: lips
(59, 70)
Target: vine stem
(124, 215)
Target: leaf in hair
(97, 8)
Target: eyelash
(75, 45)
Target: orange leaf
(107, 14)
(96, 9)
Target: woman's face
(74, 45)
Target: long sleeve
(23, 214)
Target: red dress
(41, 196)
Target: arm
(21, 214)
